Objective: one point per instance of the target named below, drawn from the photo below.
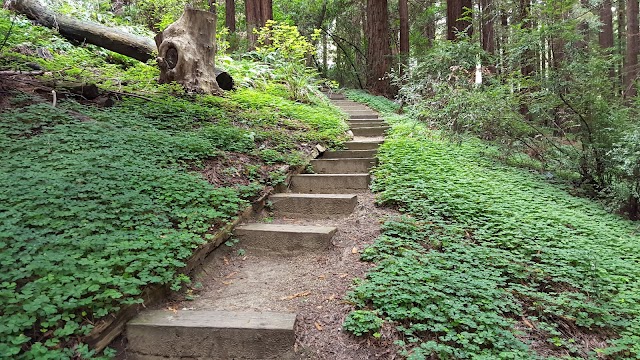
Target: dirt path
(312, 286)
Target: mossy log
(137, 47)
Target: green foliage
(484, 245)
(92, 213)
(361, 322)
(286, 50)
(285, 41)
(375, 102)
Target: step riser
(349, 154)
(299, 207)
(370, 131)
(330, 184)
(264, 240)
(362, 116)
(216, 338)
(362, 145)
(354, 108)
(366, 124)
(342, 166)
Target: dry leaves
(300, 294)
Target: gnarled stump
(186, 52)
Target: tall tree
(379, 49)
(458, 21)
(251, 12)
(487, 30)
(266, 11)
(403, 10)
(620, 34)
(528, 60)
(230, 15)
(631, 70)
(605, 37)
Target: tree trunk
(621, 10)
(252, 11)
(403, 10)
(488, 32)
(529, 55)
(456, 25)
(186, 52)
(137, 47)
(605, 37)
(266, 11)
(633, 48)
(379, 50)
(230, 15)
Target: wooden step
(342, 166)
(349, 154)
(330, 183)
(313, 205)
(283, 239)
(361, 124)
(370, 131)
(363, 145)
(163, 334)
(355, 115)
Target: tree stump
(186, 52)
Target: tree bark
(186, 52)
(379, 50)
(488, 32)
(631, 70)
(137, 47)
(403, 11)
(605, 37)
(456, 25)
(621, 33)
(252, 11)
(230, 15)
(529, 55)
(266, 11)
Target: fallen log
(138, 47)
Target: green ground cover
(98, 203)
(490, 261)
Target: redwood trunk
(605, 37)
(488, 32)
(403, 9)
(266, 11)
(230, 15)
(633, 48)
(456, 25)
(252, 11)
(379, 50)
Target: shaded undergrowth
(489, 261)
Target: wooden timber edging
(110, 328)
